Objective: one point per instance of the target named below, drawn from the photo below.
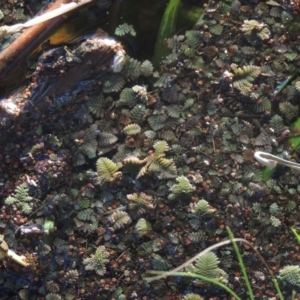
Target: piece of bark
(19, 50)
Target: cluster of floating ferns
(182, 132)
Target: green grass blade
(192, 275)
(243, 269)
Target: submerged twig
(63, 9)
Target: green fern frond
(165, 168)
(53, 296)
(140, 202)
(127, 97)
(142, 227)
(141, 91)
(150, 134)
(96, 105)
(78, 159)
(86, 215)
(137, 114)
(167, 135)
(274, 208)
(132, 69)
(113, 83)
(146, 68)
(203, 208)
(243, 77)
(277, 124)
(192, 297)
(275, 221)
(124, 29)
(157, 122)
(253, 27)
(182, 187)
(119, 219)
(106, 139)
(207, 265)
(216, 29)
(248, 50)
(21, 198)
(160, 147)
(194, 63)
(290, 275)
(297, 86)
(193, 38)
(165, 80)
(84, 202)
(160, 263)
(107, 169)
(197, 236)
(132, 129)
(97, 261)
(262, 105)
(291, 56)
(288, 110)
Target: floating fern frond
(157, 122)
(182, 187)
(86, 215)
(150, 134)
(252, 27)
(275, 221)
(53, 296)
(262, 105)
(290, 275)
(243, 77)
(96, 105)
(142, 227)
(192, 297)
(127, 97)
(165, 168)
(71, 276)
(289, 111)
(107, 170)
(165, 80)
(132, 69)
(140, 202)
(161, 147)
(132, 129)
(193, 38)
(141, 91)
(167, 135)
(159, 263)
(113, 83)
(197, 236)
(207, 265)
(97, 261)
(146, 68)
(297, 86)
(119, 219)
(124, 29)
(194, 63)
(277, 124)
(138, 113)
(21, 198)
(216, 29)
(107, 139)
(203, 208)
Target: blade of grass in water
(166, 29)
(242, 266)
